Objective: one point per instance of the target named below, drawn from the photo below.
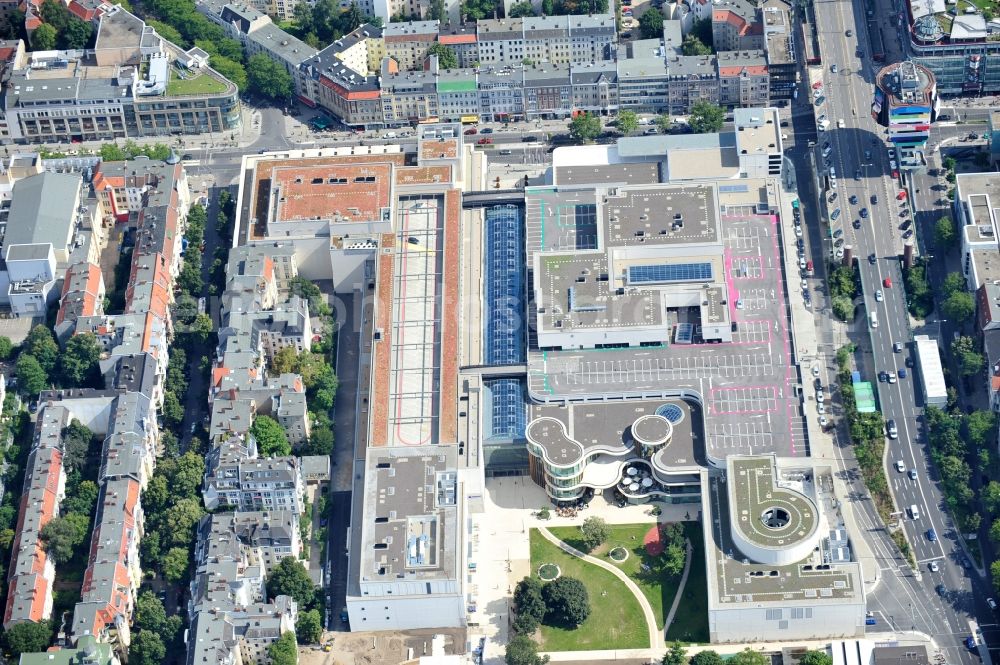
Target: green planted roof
(457, 86)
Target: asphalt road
(906, 598)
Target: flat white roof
(931, 372)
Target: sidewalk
(807, 352)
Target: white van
(914, 513)
(873, 319)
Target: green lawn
(616, 620)
(691, 621)
(658, 589)
(199, 84)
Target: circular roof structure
(652, 429)
(671, 412)
(771, 523)
(927, 28)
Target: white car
(815, 370)
(823, 422)
(821, 408)
(798, 230)
(900, 466)
(878, 296)
(805, 285)
(933, 566)
(820, 396)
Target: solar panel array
(509, 412)
(504, 337)
(585, 223)
(670, 272)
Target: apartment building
(32, 572)
(231, 622)
(558, 40)
(736, 26)
(407, 42)
(133, 83)
(272, 535)
(689, 80)
(743, 79)
(780, 29)
(234, 480)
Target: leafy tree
(6, 348)
(664, 123)
(43, 38)
(42, 345)
(959, 306)
(283, 650)
(566, 602)
(173, 412)
(149, 612)
(308, 628)
(706, 117)
(980, 427)
(627, 122)
(843, 308)
(147, 649)
(749, 657)
(182, 519)
(673, 559)
(77, 34)
(707, 657)
(76, 444)
(271, 438)
(267, 78)
(693, 46)
(186, 475)
(815, 657)
(944, 233)
(971, 522)
(446, 56)
(29, 636)
(168, 32)
(548, 7)
(991, 497)
(528, 598)
(521, 9)
(995, 575)
(702, 30)
(231, 69)
(82, 500)
(966, 356)
(522, 650)
(80, 359)
(62, 535)
(175, 564)
(320, 441)
(651, 24)
(585, 127)
(525, 624)
(595, 531)
(954, 282)
(995, 531)
(289, 578)
(675, 655)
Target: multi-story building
(133, 83)
(558, 40)
(643, 83)
(500, 93)
(408, 97)
(231, 622)
(957, 48)
(736, 26)
(548, 91)
(281, 47)
(595, 87)
(42, 224)
(905, 99)
(779, 43)
(236, 481)
(32, 572)
(457, 93)
(743, 79)
(272, 535)
(691, 78)
(407, 42)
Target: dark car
(838, 233)
(186, 157)
(883, 377)
(940, 589)
(486, 130)
(530, 139)
(905, 225)
(864, 213)
(874, 199)
(908, 234)
(871, 259)
(853, 199)
(856, 224)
